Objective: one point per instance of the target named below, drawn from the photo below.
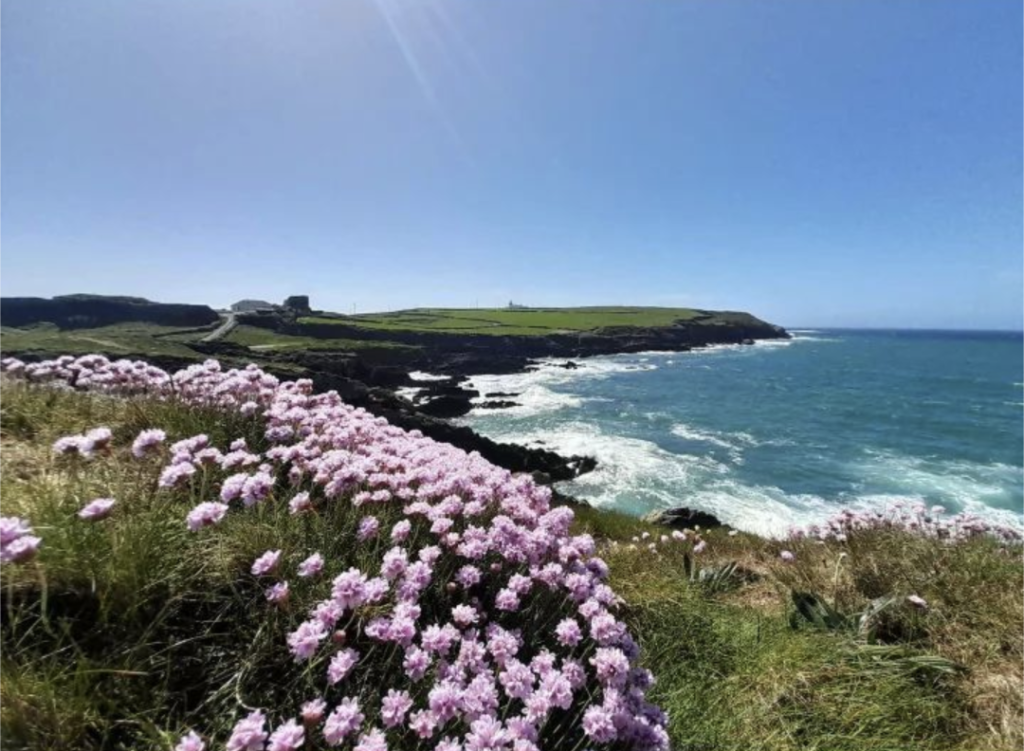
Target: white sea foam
(533, 388)
(638, 474)
(714, 438)
(635, 474)
(419, 375)
(758, 344)
(408, 392)
(968, 485)
(805, 338)
(535, 399)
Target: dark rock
(496, 394)
(678, 518)
(91, 311)
(564, 499)
(386, 375)
(497, 404)
(438, 388)
(510, 456)
(446, 406)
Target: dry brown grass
(996, 695)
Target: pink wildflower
(97, 439)
(97, 509)
(11, 528)
(21, 549)
(343, 721)
(349, 590)
(400, 532)
(568, 632)
(372, 741)
(304, 640)
(423, 723)
(918, 602)
(249, 734)
(278, 594)
(176, 475)
(368, 527)
(300, 503)
(465, 615)
(190, 742)
(311, 566)
(313, 711)
(69, 444)
(266, 563)
(288, 737)
(205, 514)
(147, 441)
(394, 707)
(486, 734)
(507, 600)
(598, 725)
(341, 665)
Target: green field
(123, 338)
(511, 322)
(265, 340)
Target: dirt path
(229, 323)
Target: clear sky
(816, 163)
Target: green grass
(505, 322)
(123, 633)
(260, 339)
(120, 339)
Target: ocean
(784, 433)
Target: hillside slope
(126, 628)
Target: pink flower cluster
(87, 445)
(503, 623)
(913, 517)
(17, 543)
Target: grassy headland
(123, 633)
(285, 332)
(514, 321)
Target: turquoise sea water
(784, 433)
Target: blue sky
(817, 163)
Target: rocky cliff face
(90, 311)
